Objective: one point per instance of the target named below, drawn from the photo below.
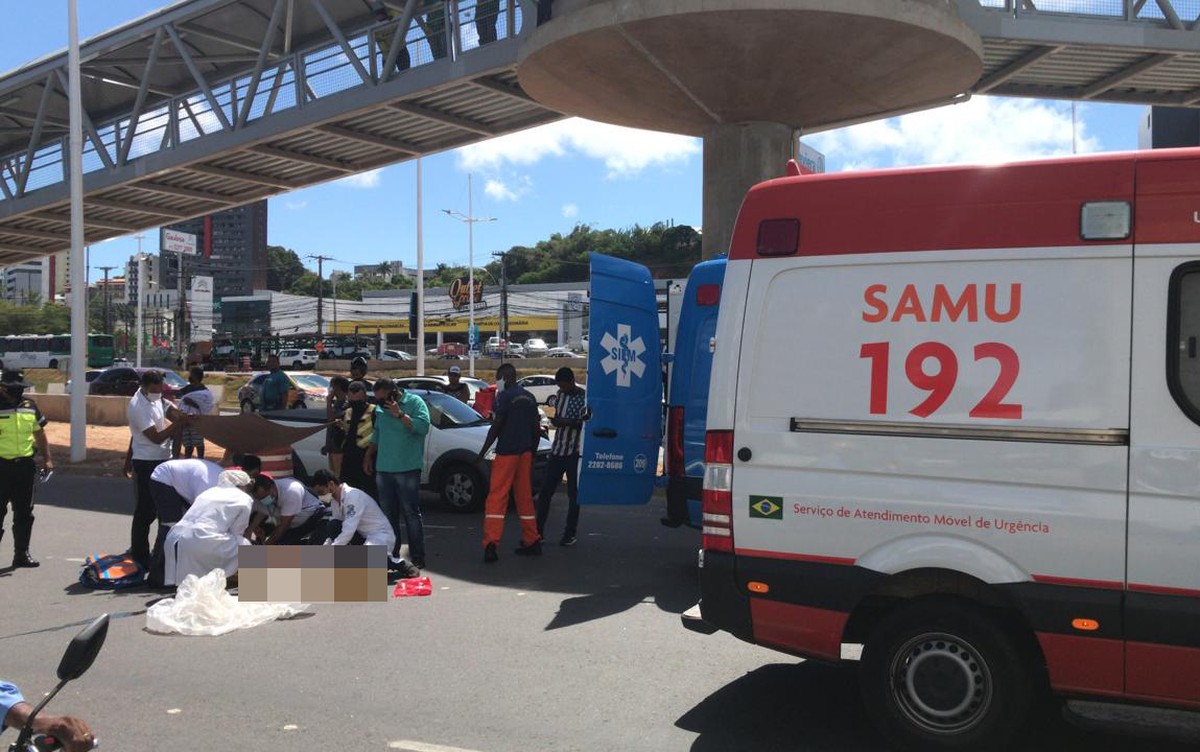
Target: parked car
(309, 390)
(514, 350)
(435, 383)
(494, 346)
(542, 387)
(88, 376)
(536, 348)
(562, 352)
(122, 381)
(298, 358)
(456, 434)
(396, 355)
(583, 343)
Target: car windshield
(312, 381)
(174, 380)
(448, 412)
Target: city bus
(51, 350)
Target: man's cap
(359, 362)
(14, 378)
(455, 369)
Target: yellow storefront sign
(448, 324)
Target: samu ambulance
(954, 417)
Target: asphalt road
(578, 650)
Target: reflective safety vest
(17, 427)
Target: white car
(541, 386)
(562, 352)
(396, 355)
(536, 348)
(456, 435)
(297, 358)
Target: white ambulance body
(955, 416)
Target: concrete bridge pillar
(744, 73)
(737, 156)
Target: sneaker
(404, 570)
(567, 540)
(419, 563)
(489, 553)
(23, 559)
(533, 549)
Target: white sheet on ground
(201, 606)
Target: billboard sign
(177, 242)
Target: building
(115, 290)
(231, 248)
(43, 279)
(153, 274)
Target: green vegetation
(669, 250)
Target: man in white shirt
(300, 513)
(174, 485)
(359, 513)
(149, 446)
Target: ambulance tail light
(675, 442)
(717, 497)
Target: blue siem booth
(621, 443)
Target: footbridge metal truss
(210, 104)
(215, 103)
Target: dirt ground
(106, 448)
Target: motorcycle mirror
(83, 649)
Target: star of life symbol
(624, 356)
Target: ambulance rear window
(1183, 339)
(778, 237)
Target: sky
(546, 180)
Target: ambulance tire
(940, 675)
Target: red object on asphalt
(413, 586)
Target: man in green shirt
(276, 386)
(396, 456)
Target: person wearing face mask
(22, 436)
(298, 514)
(213, 528)
(174, 486)
(516, 429)
(359, 515)
(149, 447)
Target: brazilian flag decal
(766, 507)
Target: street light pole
(141, 282)
(470, 219)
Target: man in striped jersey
(570, 411)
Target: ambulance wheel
(939, 675)
(462, 488)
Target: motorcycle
(76, 660)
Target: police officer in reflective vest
(21, 432)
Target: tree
(283, 268)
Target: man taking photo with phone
(396, 456)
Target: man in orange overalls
(515, 429)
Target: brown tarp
(251, 432)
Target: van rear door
(619, 456)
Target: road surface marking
(409, 746)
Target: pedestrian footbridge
(211, 104)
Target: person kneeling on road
(174, 486)
(300, 515)
(359, 514)
(209, 534)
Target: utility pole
(107, 324)
(503, 333)
(470, 220)
(141, 282)
(182, 310)
(321, 289)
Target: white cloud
(570, 211)
(500, 191)
(368, 179)
(295, 205)
(982, 130)
(625, 152)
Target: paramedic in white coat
(359, 512)
(209, 534)
(174, 485)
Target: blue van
(687, 395)
(621, 442)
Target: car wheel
(247, 406)
(297, 365)
(940, 675)
(462, 488)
